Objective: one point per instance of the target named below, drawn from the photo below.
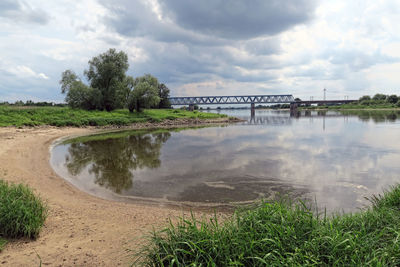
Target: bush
(22, 213)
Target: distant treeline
(379, 99)
(30, 103)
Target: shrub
(22, 213)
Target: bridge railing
(245, 99)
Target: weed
(22, 213)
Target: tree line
(110, 88)
(379, 99)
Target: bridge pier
(293, 109)
(191, 107)
(253, 110)
(293, 106)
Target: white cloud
(24, 72)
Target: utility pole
(324, 93)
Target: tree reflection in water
(113, 161)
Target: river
(333, 159)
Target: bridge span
(249, 99)
(241, 99)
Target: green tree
(144, 93)
(392, 99)
(106, 73)
(378, 97)
(110, 88)
(125, 90)
(364, 98)
(78, 95)
(163, 92)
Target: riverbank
(353, 107)
(80, 229)
(65, 116)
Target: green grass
(355, 105)
(22, 213)
(3, 242)
(283, 234)
(64, 116)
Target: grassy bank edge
(64, 116)
(352, 107)
(283, 233)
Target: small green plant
(22, 213)
(3, 242)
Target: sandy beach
(80, 229)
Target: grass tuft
(22, 213)
(282, 233)
(3, 242)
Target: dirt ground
(80, 230)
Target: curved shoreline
(81, 229)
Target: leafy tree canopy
(144, 94)
(163, 92)
(110, 88)
(379, 97)
(107, 74)
(392, 99)
(365, 98)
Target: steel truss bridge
(249, 99)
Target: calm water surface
(335, 159)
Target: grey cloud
(210, 22)
(239, 19)
(187, 63)
(343, 62)
(357, 60)
(317, 73)
(21, 11)
(200, 40)
(7, 6)
(135, 19)
(263, 46)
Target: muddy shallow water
(333, 158)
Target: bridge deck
(244, 99)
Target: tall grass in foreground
(281, 233)
(22, 213)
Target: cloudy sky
(208, 47)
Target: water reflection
(113, 162)
(339, 159)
